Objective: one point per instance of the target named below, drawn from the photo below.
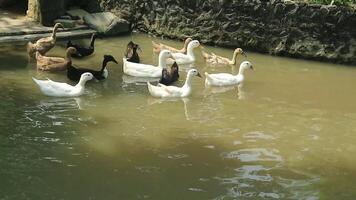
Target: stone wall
(275, 27)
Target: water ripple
(254, 155)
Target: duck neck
(103, 66)
(162, 62)
(185, 46)
(68, 56)
(92, 41)
(241, 71)
(81, 83)
(190, 51)
(233, 60)
(54, 33)
(188, 81)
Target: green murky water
(288, 133)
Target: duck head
(194, 72)
(166, 54)
(71, 50)
(240, 51)
(193, 44)
(58, 25)
(94, 36)
(87, 76)
(246, 65)
(108, 58)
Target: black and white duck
(74, 73)
(83, 51)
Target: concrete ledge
(33, 37)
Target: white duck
(56, 89)
(181, 58)
(144, 70)
(163, 91)
(225, 79)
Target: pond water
(288, 133)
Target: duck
(81, 50)
(188, 58)
(144, 70)
(57, 89)
(45, 44)
(131, 52)
(163, 91)
(74, 73)
(226, 79)
(169, 77)
(158, 47)
(216, 59)
(52, 64)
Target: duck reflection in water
(241, 94)
(152, 101)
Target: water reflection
(126, 79)
(151, 101)
(238, 90)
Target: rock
(107, 23)
(77, 13)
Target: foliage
(336, 2)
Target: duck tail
(208, 79)
(36, 81)
(156, 47)
(150, 87)
(31, 49)
(124, 64)
(38, 55)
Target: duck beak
(138, 48)
(252, 68)
(172, 57)
(244, 54)
(199, 75)
(115, 61)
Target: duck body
(188, 58)
(214, 59)
(81, 50)
(169, 77)
(163, 91)
(74, 73)
(57, 89)
(144, 70)
(52, 64)
(226, 79)
(131, 52)
(158, 47)
(43, 45)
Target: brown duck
(158, 47)
(43, 45)
(52, 64)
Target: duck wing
(166, 78)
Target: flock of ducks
(131, 66)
